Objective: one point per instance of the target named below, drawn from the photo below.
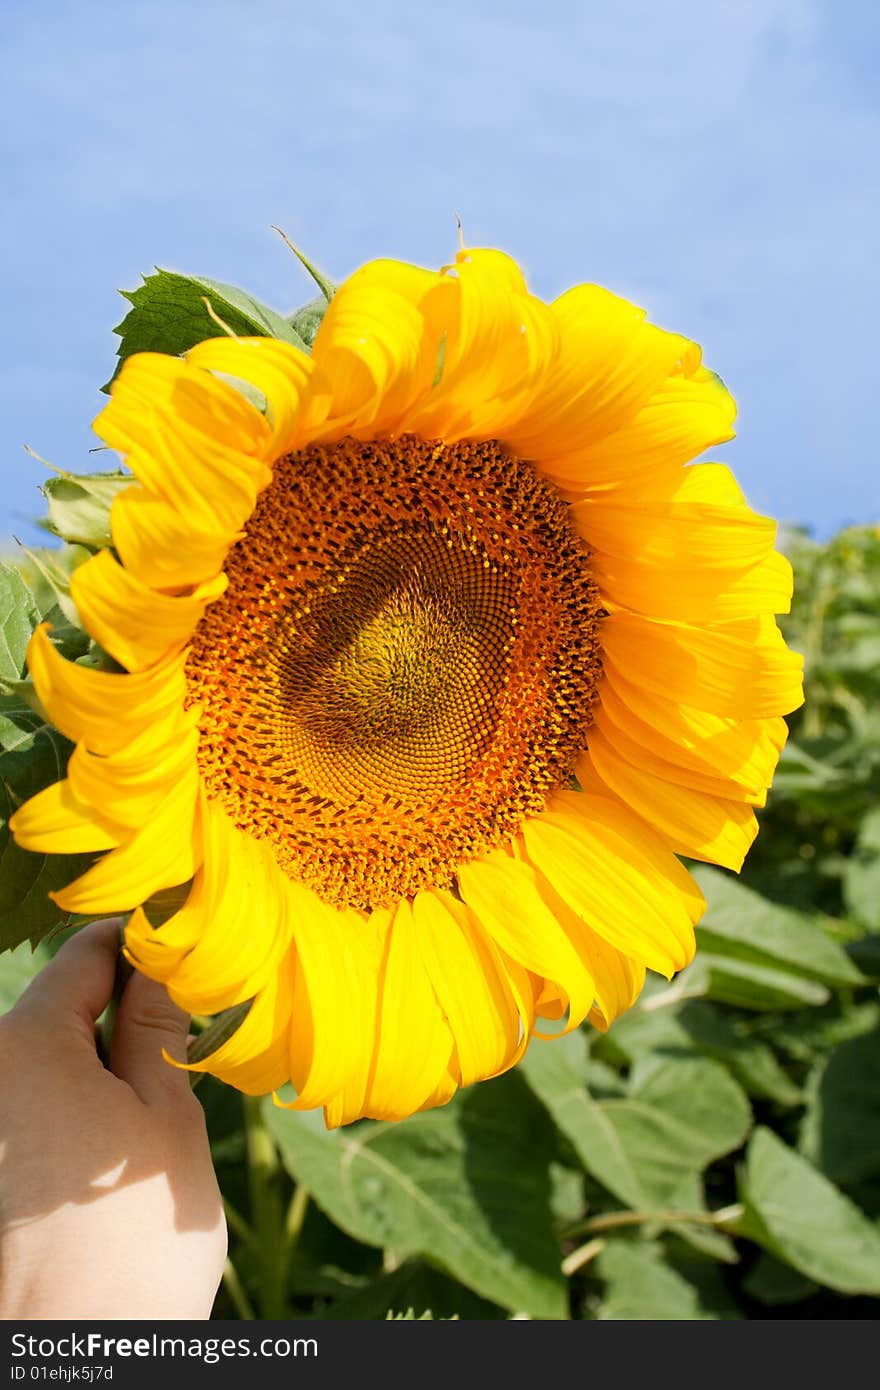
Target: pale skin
(109, 1207)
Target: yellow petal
(611, 737)
(618, 979)
(153, 951)
(505, 896)
(164, 853)
(741, 751)
(494, 344)
(297, 396)
(197, 445)
(710, 483)
(77, 698)
(698, 823)
(137, 626)
(619, 982)
(678, 534)
(687, 413)
(373, 348)
(443, 1093)
(693, 594)
(619, 877)
(471, 986)
(213, 408)
(213, 484)
(414, 1043)
(160, 546)
(683, 546)
(56, 821)
(256, 1059)
(740, 670)
(234, 929)
(610, 362)
(129, 785)
(339, 953)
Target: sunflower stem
(237, 1224)
(296, 1215)
(267, 1215)
(582, 1256)
(237, 1296)
(613, 1220)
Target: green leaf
(19, 616)
(799, 1216)
(168, 314)
(555, 1072)
(707, 1240)
(866, 955)
(861, 877)
(17, 969)
(696, 1025)
(467, 1186)
(751, 986)
(742, 924)
(47, 574)
(640, 1286)
(805, 1036)
(772, 1282)
(841, 1128)
(681, 1114)
(34, 755)
(78, 507)
(414, 1289)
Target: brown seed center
(403, 665)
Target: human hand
(109, 1207)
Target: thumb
(148, 1022)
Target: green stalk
(237, 1296)
(296, 1215)
(267, 1214)
(582, 1256)
(724, 1217)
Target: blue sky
(715, 160)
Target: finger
(148, 1023)
(78, 981)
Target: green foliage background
(716, 1155)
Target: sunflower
(434, 656)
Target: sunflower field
(715, 1154)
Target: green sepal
(327, 286)
(165, 903)
(78, 507)
(307, 320)
(46, 574)
(218, 1031)
(25, 693)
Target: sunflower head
(430, 670)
